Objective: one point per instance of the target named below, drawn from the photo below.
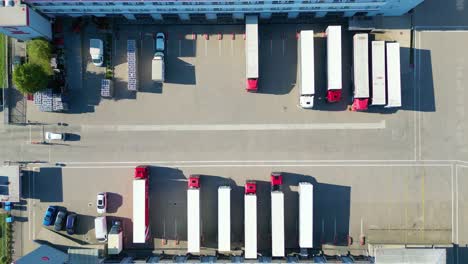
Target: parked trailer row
(386, 74)
(141, 219)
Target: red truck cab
(250, 187)
(333, 96)
(252, 85)
(141, 172)
(360, 104)
(194, 182)
(276, 179)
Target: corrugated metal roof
(83, 256)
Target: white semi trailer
(251, 52)
(334, 75)
(393, 75)
(277, 215)
(224, 218)
(378, 73)
(361, 72)
(306, 215)
(193, 214)
(250, 220)
(307, 89)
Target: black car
(60, 220)
(71, 223)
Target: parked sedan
(55, 136)
(71, 223)
(49, 216)
(60, 220)
(101, 203)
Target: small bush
(30, 78)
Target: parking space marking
(271, 47)
(180, 48)
(219, 47)
(237, 127)
(206, 48)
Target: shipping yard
(270, 137)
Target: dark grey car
(60, 220)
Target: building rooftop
(10, 183)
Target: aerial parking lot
(384, 176)
(388, 203)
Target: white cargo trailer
(306, 219)
(250, 220)
(193, 215)
(251, 52)
(361, 72)
(334, 75)
(378, 73)
(224, 218)
(393, 75)
(307, 64)
(277, 224)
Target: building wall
(211, 9)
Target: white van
(100, 228)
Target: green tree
(40, 52)
(30, 78)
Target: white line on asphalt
(271, 47)
(261, 165)
(219, 47)
(238, 127)
(453, 204)
(250, 161)
(419, 102)
(456, 206)
(206, 48)
(415, 82)
(180, 48)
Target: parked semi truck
(141, 204)
(334, 76)
(393, 75)
(277, 215)
(378, 73)
(224, 218)
(193, 214)
(306, 190)
(250, 220)
(251, 52)
(307, 90)
(361, 72)
(115, 239)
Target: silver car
(101, 203)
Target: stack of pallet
(106, 88)
(132, 65)
(47, 101)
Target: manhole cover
(86, 238)
(90, 204)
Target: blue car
(49, 216)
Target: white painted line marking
(232, 48)
(219, 47)
(456, 207)
(271, 46)
(453, 204)
(180, 48)
(238, 127)
(283, 46)
(257, 165)
(253, 161)
(206, 48)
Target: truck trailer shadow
(48, 186)
(331, 211)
